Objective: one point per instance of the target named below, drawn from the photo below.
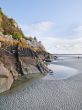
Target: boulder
(6, 78)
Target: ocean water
(69, 56)
(60, 72)
(50, 94)
(63, 71)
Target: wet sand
(45, 94)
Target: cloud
(78, 29)
(58, 45)
(69, 44)
(37, 28)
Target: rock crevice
(18, 63)
(19, 55)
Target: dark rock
(50, 71)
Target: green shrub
(16, 35)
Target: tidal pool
(60, 72)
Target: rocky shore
(47, 94)
(20, 56)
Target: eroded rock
(6, 78)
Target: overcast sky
(57, 23)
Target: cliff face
(19, 56)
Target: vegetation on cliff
(8, 26)
(19, 55)
(13, 35)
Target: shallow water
(49, 94)
(60, 72)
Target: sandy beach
(45, 94)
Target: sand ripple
(46, 95)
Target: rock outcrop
(6, 78)
(19, 55)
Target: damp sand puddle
(60, 72)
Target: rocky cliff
(20, 56)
